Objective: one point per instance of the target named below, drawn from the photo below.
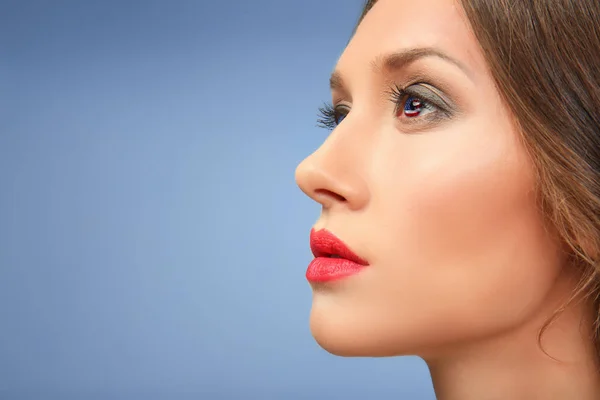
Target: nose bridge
(333, 174)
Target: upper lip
(325, 244)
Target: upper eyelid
(437, 101)
(433, 95)
(341, 105)
(430, 92)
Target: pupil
(413, 104)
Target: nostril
(329, 193)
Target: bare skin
(436, 191)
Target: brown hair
(545, 59)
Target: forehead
(396, 25)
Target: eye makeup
(417, 103)
(420, 101)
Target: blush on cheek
(469, 198)
(466, 236)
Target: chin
(344, 334)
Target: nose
(331, 177)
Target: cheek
(462, 249)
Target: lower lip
(326, 269)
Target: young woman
(460, 194)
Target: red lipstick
(333, 259)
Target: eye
(331, 116)
(418, 102)
(339, 114)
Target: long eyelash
(398, 95)
(326, 117)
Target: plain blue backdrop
(153, 242)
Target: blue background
(153, 242)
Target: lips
(333, 259)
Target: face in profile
(430, 237)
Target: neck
(517, 365)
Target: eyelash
(330, 116)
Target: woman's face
(424, 177)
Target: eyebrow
(397, 61)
